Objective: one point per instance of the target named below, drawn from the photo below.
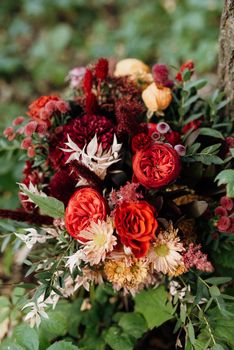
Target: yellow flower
(157, 99)
(130, 66)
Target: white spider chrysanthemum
(99, 240)
(165, 254)
(93, 156)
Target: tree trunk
(226, 54)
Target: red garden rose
(136, 225)
(84, 206)
(156, 166)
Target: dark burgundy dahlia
(81, 131)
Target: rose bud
(220, 211)
(226, 202)
(132, 67)
(156, 166)
(224, 223)
(155, 99)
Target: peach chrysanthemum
(124, 275)
(98, 240)
(89, 277)
(165, 254)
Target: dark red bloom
(193, 125)
(62, 185)
(227, 203)
(161, 75)
(187, 65)
(81, 131)
(101, 69)
(140, 141)
(224, 223)
(88, 81)
(156, 166)
(173, 137)
(91, 105)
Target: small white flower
(37, 311)
(31, 188)
(74, 260)
(32, 237)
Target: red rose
(136, 225)
(156, 166)
(84, 206)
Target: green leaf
(26, 336)
(153, 304)
(133, 324)
(211, 132)
(214, 291)
(8, 344)
(211, 149)
(218, 280)
(190, 101)
(48, 205)
(192, 118)
(191, 333)
(198, 84)
(118, 340)
(55, 325)
(62, 345)
(226, 177)
(217, 347)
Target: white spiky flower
(32, 189)
(93, 156)
(32, 237)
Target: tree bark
(226, 54)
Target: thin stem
(208, 325)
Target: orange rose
(136, 225)
(85, 205)
(156, 166)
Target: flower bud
(155, 99)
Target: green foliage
(62, 345)
(153, 304)
(48, 205)
(226, 177)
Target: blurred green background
(41, 40)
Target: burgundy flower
(62, 186)
(88, 81)
(101, 69)
(140, 141)
(173, 137)
(81, 131)
(160, 75)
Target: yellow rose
(156, 99)
(132, 67)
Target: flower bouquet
(127, 187)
